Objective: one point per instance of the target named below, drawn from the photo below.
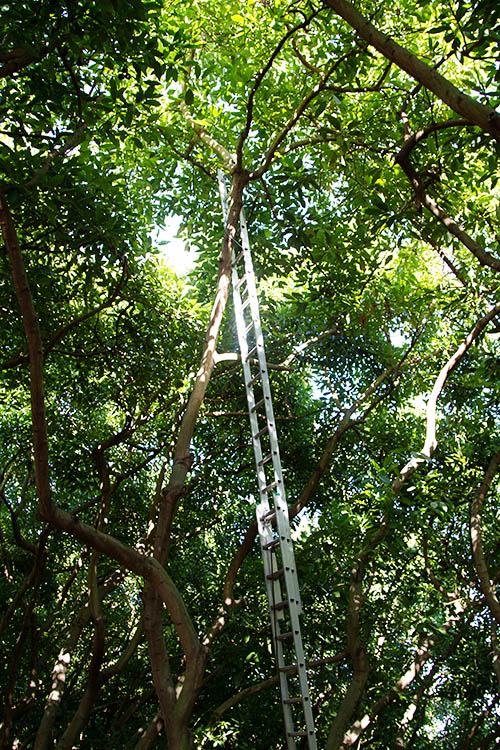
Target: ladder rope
(273, 523)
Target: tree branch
(485, 258)
(422, 654)
(258, 81)
(34, 340)
(299, 111)
(307, 344)
(218, 148)
(430, 442)
(264, 684)
(307, 493)
(441, 253)
(477, 537)
(480, 114)
(412, 139)
(15, 60)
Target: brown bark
(177, 703)
(480, 114)
(422, 654)
(150, 569)
(27, 625)
(495, 654)
(15, 60)
(34, 340)
(476, 530)
(441, 253)
(59, 672)
(468, 737)
(483, 256)
(356, 647)
(359, 660)
(430, 442)
(270, 682)
(307, 493)
(146, 567)
(150, 734)
(164, 588)
(80, 718)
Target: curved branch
(299, 111)
(440, 252)
(430, 442)
(146, 567)
(305, 62)
(309, 490)
(420, 135)
(89, 314)
(34, 340)
(264, 684)
(485, 258)
(422, 655)
(258, 81)
(63, 149)
(15, 60)
(310, 342)
(227, 158)
(477, 537)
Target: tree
(363, 143)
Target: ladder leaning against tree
(273, 523)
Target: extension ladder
(273, 523)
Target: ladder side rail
(289, 563)
(252, 413)
(292, 585)
(243, 344)
(274, 586)
(281, 506)
(295, 610)
(254, 306)
(274, 594)
(302, 676)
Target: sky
(172, 248)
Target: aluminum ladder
(273, 523)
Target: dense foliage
(364, 145)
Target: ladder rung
(240, 281)
(288, 668)
(281, 583)
(256, 406)
(268, 516)
(258, 435)
(267, 458)
(274, 576)
(254, 379)
(271, 545)
(284, 636)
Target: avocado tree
(363, 142)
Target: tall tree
(363, 142)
